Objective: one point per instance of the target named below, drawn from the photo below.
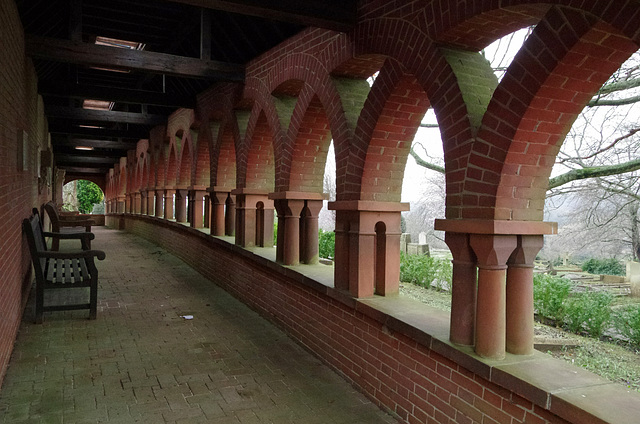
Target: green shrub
(549, 294)
(327, 244)
(627, 323)
(590, 312)
(604, 266)
(425, 271)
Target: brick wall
(397, 371)
(20, 113)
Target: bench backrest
(32, 227)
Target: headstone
(405, 238)
(633, 276)
(417, 249)
(422, 238)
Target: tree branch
(613, 102)
(594, 171)
(424, 163)
(619, 86)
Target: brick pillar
(207, 211)
(463, 289)
(254, 218)
(492, 252)
(196, 199)
(309, 237)
(520, 294)
(168, 203)
(151, 199)
(159, 209)
(368, 246)
(181, 205)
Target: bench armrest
(88, 235)
(75, 222)
(75, 254)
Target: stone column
(151, 199)
(309, 240)
(520, 295)
(254, 224)
(120, 208)
(127, 203)
(492, 252)
(168, 203)
(181, 205)
(196, 198)
(230, 216)
(218, 203)
(136, 202)
(159, 209)
(288, 247)
(368, 246)
(143, 202)
(463, 289)
(207, 211)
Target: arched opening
(83, 196)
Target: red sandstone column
(492, 252)
(127, 203)
(281, 206)
(463, 289)
(230, 216)
(150, 201)
(168, 203)
(520, 295)
(309, 246)
(218, 200)
(291, 253)
(341, 261)
(159, 209)
(181, 205)
(197, 211)
(137, 201)
(121, 205)
(143, 202)
(207, 211)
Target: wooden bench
(65, 223)
(59, 270)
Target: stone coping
(495, 226)
(568, 391)
(368, 206)
(297, 195)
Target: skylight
(121, 44)
(97, 104)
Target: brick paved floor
(142, 362)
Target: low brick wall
(395, 349)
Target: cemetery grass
(615, 361)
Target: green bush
(627, 323)
(327, 244)
(549, 295)
(425, 271)
(590, 312)
(604, 266)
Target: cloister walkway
(142, 361)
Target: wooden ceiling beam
(110, 116)
(70, 128)
(78, 170)
(113, 94)
(95, 143)
(88, 54)
(75, 160)
(339, 16)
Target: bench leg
(93, 299)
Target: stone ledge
(569, 392)
(495, 226)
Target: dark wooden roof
(188, 46)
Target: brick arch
(315, 71)
(257, 170)
(171, 166)
(201, 161)
(387, 125)
(97, 180)
(224, 173)
(309, 136)
(560, 67)
(186, 155)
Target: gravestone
(633, 276)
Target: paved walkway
(142, 362)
